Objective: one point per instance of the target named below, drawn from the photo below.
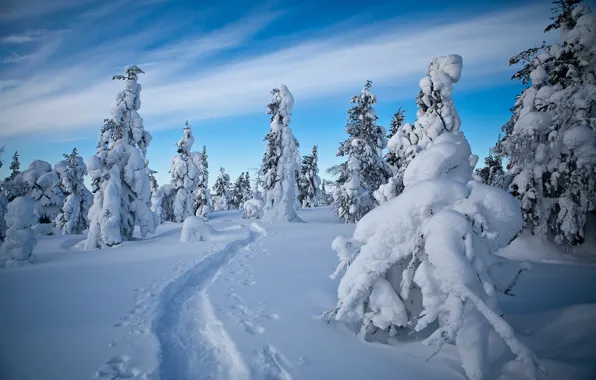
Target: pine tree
(246, 187)
(310, 182)
(120, 178)
(396, 123)
(492, 173)
(221, 201)
(365, 169)
(72, 219)
(280, 162)
(185, 171)
(3, 204)
(550, 140)
(202, 195)
(237, 193)
(15, 165)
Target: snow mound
(20, 237)
(450, 157)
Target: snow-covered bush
(550, 140)
(72, 219)
(20, 237)
(280, 163)
(221, 200)
(120, 178)
(202, 195)
(420, 262)
(185, 176)
(309, 182)
(42, 185)
(365, 169)
(253, 208)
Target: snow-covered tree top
(281, 106)
(185, 144)
(450, 65)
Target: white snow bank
(195, 228)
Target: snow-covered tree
(20, 237)
(246, 187)
(436, 115)
(221, 200)
(237, 193)
(120, 177)
(202, 195)
(280, 162)
(550, 140)
(72, 219)
(396, 124)
(185, 172)
(42, 183)
(326, 198)
(492, 173)
(310, 182)
(15, 165)
(420, 262)
(365, 169)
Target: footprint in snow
(251, 328)
(119, 367)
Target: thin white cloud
(23, 38)
(393, 52)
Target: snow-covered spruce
(20, 237)
(185, 171)
(492, 173)
(421, 261)
(280, 163)
(42, 184)
(239, 192)
(202, 195)
(436, 115)
(72, 219)
(309, 182)
(157, 195)
(550, 140)
(120, 180)
(365, 169)
(221, 200)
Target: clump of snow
(253, 209)
(195, 229)
(20, 237)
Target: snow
(249, 307)
(20, 237)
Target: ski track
(193, 342)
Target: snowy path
(193, 342)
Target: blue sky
(214, 63)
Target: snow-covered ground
(248, 306)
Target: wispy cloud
(180, 85)
(23, 38)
